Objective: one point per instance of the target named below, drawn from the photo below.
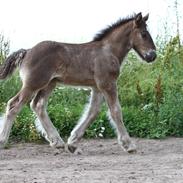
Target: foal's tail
(11, 63)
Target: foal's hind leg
(88, 116)
(38, 105)
(13, 107)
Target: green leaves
(151, 97)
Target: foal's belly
(78, 81)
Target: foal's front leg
(88, 116)
(111, 97)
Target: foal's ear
(138, 18)
(145, 18)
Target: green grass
(151, 96)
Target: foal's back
(68, 63)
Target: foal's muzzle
(150, 56)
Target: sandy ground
(102, 161)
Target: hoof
(128, 146)
(131, 149)
(58, 144)
(72, 148)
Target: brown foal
(95, 64)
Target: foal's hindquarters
(37, 84)
(38, 105)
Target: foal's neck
(119, 41)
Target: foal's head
(142, 42)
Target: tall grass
(151, 97)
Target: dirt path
(103, 161)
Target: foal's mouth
(149, 56)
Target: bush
(151, 96)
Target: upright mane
(103, 33)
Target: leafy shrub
(151, 96)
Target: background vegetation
(151, 97)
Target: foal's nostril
(150, 56)
(153, 55)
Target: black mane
(103, 33)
